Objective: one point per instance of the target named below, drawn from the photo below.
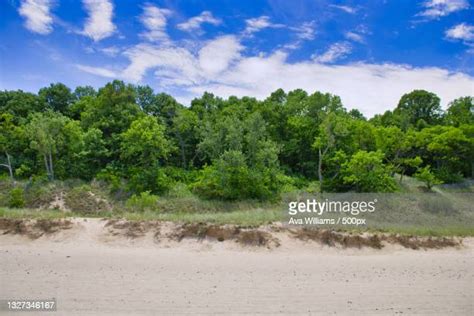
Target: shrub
(143, 202)
(111, 176)
(425, 175)
(367, 173)
(179, 190)
(81, 199)
(446, 175)
(39, 194)
(229, 178)
(147, 179)
(17, 199)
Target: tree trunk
(320, 172)
(183, 152)
(47, 166)
(8, 165)
(51, 165)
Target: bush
(81, 199)
(147, 179)
(143, 202)
(366, 172)
(425, 175)
(229, 178)
(448, 176)
(40, 194)
(111, 176)
(17, 199)
(179, 190)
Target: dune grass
(248, 218)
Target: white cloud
(178, 62)
(305, 31)
(372, 88)
(99, 23)
(463, 31)
(256, 24)
(438, 8)
(155, 20)
(98, 71)
(111, 51)
(356, 37)
(38, 16)
(344, 8)
(217, 54)
(335, 51)
(194, 23)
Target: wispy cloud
(306, 31)
(98, 71)
(155, 20)
(38, 16)
(345, 8)
(219, 67)
(335, 51)
(463, 31)
(217, 54)
(256, 24)
(353, 36)
(99, 23)
(358, 34)
(111, 51)
(194, 23)
(433, 9)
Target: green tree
(184, 130)
(419, 106)
(427, 177)
(332, 128)
(460, 111)
(366, 172)
(8, 133)
(57, 96)
(45, 132)
(112, 112)
(144, 143)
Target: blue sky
(368, 52)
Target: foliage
(426, 176)
(366, 171)
(138, 140)
(144, 142)
(145, 201)
(17, 199)
(83, 200)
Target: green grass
(448, 212)
(249, 218)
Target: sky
(368, 52)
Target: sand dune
(92, 272)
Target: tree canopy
(234, 148)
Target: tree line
(235, 148)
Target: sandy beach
(90, 272)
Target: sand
(90, 272)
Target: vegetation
(125, 150)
